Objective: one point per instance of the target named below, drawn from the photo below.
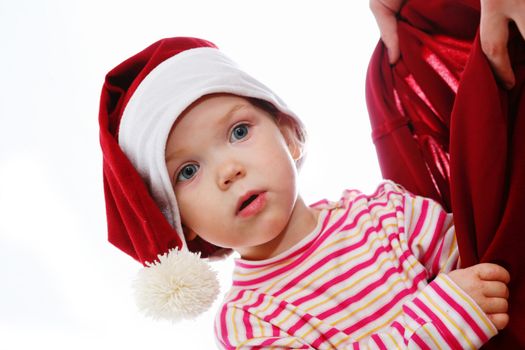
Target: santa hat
(141, 99)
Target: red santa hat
(141, 99)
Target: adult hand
(385, 12)
(494, 31)
(487, 285)
(494, 34)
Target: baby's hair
(282, 119)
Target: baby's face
(233, 173)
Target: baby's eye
(239, 132)
(187, 172)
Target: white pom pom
(179, 286)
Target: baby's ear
(189, 234)
(290, 136)
(294, 147)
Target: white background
(62, 286)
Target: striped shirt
(369, 276)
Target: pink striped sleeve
(440, 316)
(443, 307)
(430, 234)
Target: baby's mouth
(252, 203)
(247, 202)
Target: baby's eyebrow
(230, 113)
(175, 154)
(224, 119)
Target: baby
(201, 157)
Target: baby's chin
(264, 249)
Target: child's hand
(487, 285)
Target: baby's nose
(229, 174)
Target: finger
(494, 35)
(500, 321)
(492, 272)
(394, 5)
(387, 23)
(494, 305)
(495, 289)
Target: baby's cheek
(188, 208)
(202, 214)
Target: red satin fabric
(443, 128)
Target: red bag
(443, 128)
